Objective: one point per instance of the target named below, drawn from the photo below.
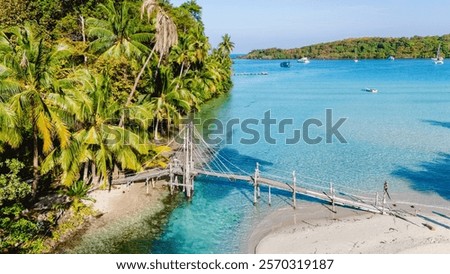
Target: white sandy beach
(127, 202)
(301, 231)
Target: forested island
(362, 48)
(88, 88)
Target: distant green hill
(362, 48)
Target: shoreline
(124, 214)
(313, 228)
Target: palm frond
(92, 137)
(44, 126)
(128, 160)
(61, 129)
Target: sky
(259, 24)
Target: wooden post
(153, 183)
(270, 196)
(294, 188)
(191, 155)
(255, 184)
(384, 203)
(146, 185)
(171, 178)
(332, 197)
(191, 145)
(188, 180)
(187, 163)
(376, 200)
(255, 199)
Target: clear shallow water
(400, 135)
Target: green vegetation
(17, 229)
(86, 89)
(362, 48)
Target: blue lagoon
(399, 135)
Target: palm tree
(31, 69)
(120, 34)
(166, 30)
(226, 46)
(191, 50)
(166, 36)
(97, 138)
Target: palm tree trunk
(168, 129)
(136, 82)
(117, 172)
(85, 172)
(156, 130)
(83, 34)
(95, 178)
(159, 64)
(36, 176)
(182, 68)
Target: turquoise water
(399, 134)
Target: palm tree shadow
(432, 177)
(433, 221)
(437, 123)
(237, 162)
(441, 215)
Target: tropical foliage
(362, 48)
(89, 90)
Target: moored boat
(285, 64)
(304, 60)
(371, 90)
(438, 60)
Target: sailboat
(439, 60)
(356, 57)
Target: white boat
(438, 60)
(304, 60)
(356, 57)
(371, 90)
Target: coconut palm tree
(191, 50)
(32, 72)
(166, 36)
(97, 138)
(120, 34)
(226, 46)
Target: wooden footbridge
(196, 158)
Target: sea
(399, 135)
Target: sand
(124, 213)
(314, 229)
(127, 202)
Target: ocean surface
(399, 135)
